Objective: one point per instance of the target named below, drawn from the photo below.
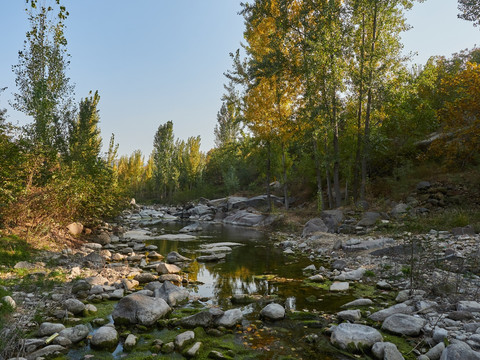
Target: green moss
(403, 345)
(104, 309)
(322, 285)
(13, 250)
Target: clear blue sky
(158, 60)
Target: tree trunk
(319, 175)
(285, 185)
(336, 151)
(268, 175)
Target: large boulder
(105, 337)
(314, 225)
(47, 329)
(258, 202)
(355, 336)
(204, 319)
(395, 309)
(75, 334)
(386, 351)
(163, 268)
(74, 306)
(102, 238)
(332, 219)
(183, 339)
(139, 309)
(47, 351)
(459, 351)
(369, 218)
(174, 257)
(230, 318)
(245, 218)
(273, 312)
(402, 324)
(171, 293)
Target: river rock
(339, 286)
(273, 311)
(47, 351)
(230, 318)
(75, 334)
(130, 342)
(332, 219)
(153, 255)
(8, 300)
(353, 275)
(314, 225)
(80, 286)
(350, 315)
(105, 337)
(436, 352)
(75, 228)
(439, 335)
(369, 219)
(47, 329)
(459, 351)
(210, 258)
(395, 309)
(103, 238)
(171, 293)
(361, 336)
(163, 268)
(176, 237)
(74, 306)
(139, 309)
(174, 257)
(184, 338)
(146, 277)
(245, 218)
(191, 228)
(358, 302)
(399, 210)
(386, 351)
(204, 319)
(174, 278)
(402, 324)
(471, 306)
(193, 351)
(96, 280)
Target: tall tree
(163, 155)
(44, 91)
(470, 11)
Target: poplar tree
(163, 153)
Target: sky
(157, 60)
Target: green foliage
(13, 250)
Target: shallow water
(257, 268)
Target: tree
(44, 91)
(163, 153)
(470, 11)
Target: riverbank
(427, 279)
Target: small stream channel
(256, 268)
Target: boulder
(75, 334)
(191, 228)
(356, 335)
(146, 277)
(102, 238)
(436, 352)
(358, 302)
(369, 219)
(47, 351)
(245, 218)
(171, 293)
(332, 219)
(402, 324)
(8, 300)
(395, 309)
(314, 225)
(74, 306)
(139, 309)
(470, 306)
(75, 228)
(175, 257)
(459, 351)
(204, 319)
(47, 329)
(350, 315)
(351, 275)
(174, 278)
(339, 286)
(399, 210)
(386, 351)
(273, 312)
(130, 342)
(176, 237)
(230, 318)
(184, 338)
(193, 351)
(105, 337)
(211, 257)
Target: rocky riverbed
(139, 289)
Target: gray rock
(193, 351)
(245, 218)
(191, 228)
(439, 335)
(395, 309)
(63, 341)
(168, 348)
(339, 286)
(103, 238)
(8, 300)
(399, 210)
(361, 336)
(230, 318)
(74, 306)
(47, 329)
(143, 278)
(117, 294)
(404, 295)
(350, 315)
(80, 285)
(184, 338)
(339, 264)
(459, 351)
(436, 352)
(471, 306)
(47, 351)
(163, 268)
(386, 351)
(353, 275)
(316, 278)
(314, 225)
(24, 265)
(204, 319)
(130, 342)
(96, 280)
(139, 309)
(105, 337)
(332, 219)
(273, 312)
(369, 219)
(75, 334)
(423, 185)
(402, 324)
(216, 355)
(175, 257)
(171, 293)
(174, 278)
(383, 285)
(358, 302)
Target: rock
(96, 280)
(316, 278)
(332, 219)
(210, 258)
(383, 285)
(63, 341)
(466, 230)
(423, 185)
(8, 300)
(171, 293)
(436, 352)
(103, 238)
(369, 219)
(163, 268)
(399, 210)
(168, 348)
(353, 275)
(314, 225)
(174, 278)
(350, 315)
(139, 309)
(130, 342)
(155, 256)
(230, 318)
(339, 286)
(339, 264)
(75, 334)
(176, 237)
(460, 315)
(273, 312)
(105, 337)
(146, 277)
(75, 228)
(117, 294)
(358, 302)
(386, 351)
(184, 338)
(216, 355)
(47, 329)
(47, 351)
(74, 306)
(245, 218)
(404, 295)
(470, 306)
(24, 265)
(193, 351)
(395, 309)
(402, 324)
(360, 336)
(439, 335)
(191, 228)
(129, 284)
(175, 257)
(80, 285)
(459, 351)
(204, 319)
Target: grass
(444, 220)
(13, 249)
